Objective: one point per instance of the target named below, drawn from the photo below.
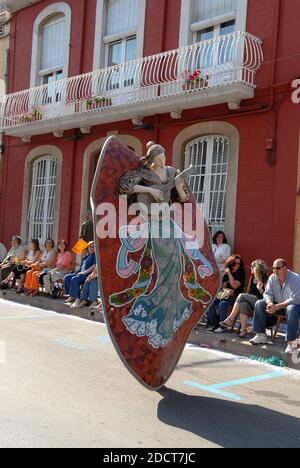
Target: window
(119, 26)
(207, 9)
(51, 46)
(208, 19)
(42, 198)
(209, 156)
(119, 53)
(121, 41)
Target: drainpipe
(80, 72)
(161, 49)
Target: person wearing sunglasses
(233, 284)
(282, 297)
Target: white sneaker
(221, 330)
(76, 304)
(259, 339)
(289, 349)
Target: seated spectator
(3, 252)
(221, 250)
(19, 270)
(89, 293)
(16, 254)
(282, 296)
(246, 302)
(46, 263)
(62, 268)
(73, 282)
(233, 285)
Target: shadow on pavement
(228, 424)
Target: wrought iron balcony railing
(215, 71)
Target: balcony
(218, 71)
(14, 5)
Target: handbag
(226, 294)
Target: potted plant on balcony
(194, 80)
(35, 115)
(97, 102)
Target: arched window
(209, 156)
(42, 198)
(51, 45)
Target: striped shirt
(288, 292)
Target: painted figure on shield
(159, 308)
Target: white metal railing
(232, 58)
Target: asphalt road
(63, 385)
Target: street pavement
(63, 385)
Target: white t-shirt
(3, 252)
(222, 251)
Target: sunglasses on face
(277, 268)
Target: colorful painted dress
(159, 309)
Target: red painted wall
(265, 217)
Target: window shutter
(206, 9)
(53, 43)
(42, 199)
(121, 15)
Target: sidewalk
(228, 342)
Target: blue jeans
(292, 315)
(90, 291)
(219, 308)
(72, 284)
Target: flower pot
(192, 85)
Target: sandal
(243, 334)
(228, 323)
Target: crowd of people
(51, 271)
(265, 297)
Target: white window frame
(188, 28)
(208, 191)
(101, 39)
(59, 8)
(34, 155)
(43, 193)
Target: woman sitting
(233, 285)
(45, 264)
(89, 293)
(19, 271)
(62, 268)
(73, 282)
(246, 302)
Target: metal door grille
(42, 199)
(209, 156)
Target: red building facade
(78, 72)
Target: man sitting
(282, 294)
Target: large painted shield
(154, 289)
